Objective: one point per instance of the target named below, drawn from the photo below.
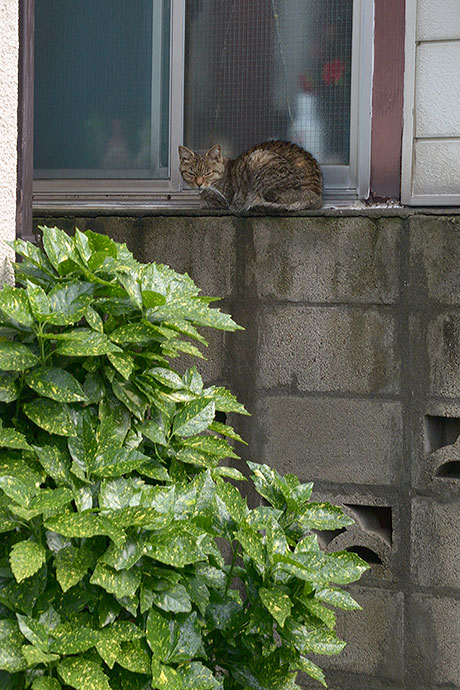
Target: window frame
(343, 184)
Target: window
(119, 85)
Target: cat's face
(201, 171)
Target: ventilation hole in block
(220, 417)
(327, 535)
(366, 554)
(449, 470)
(376, 519)
(440, 432)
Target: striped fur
(276, 175)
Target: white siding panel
(438, 19)
(438, 89)
(437, 167)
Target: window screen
(269, 69)
(101, 88)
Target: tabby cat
(274, 175)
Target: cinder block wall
(350, 365)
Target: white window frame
(343, 184)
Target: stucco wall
(350, 366)
(8, 128)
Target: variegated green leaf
(194, 418)
(158, 634)
(47, 500)
(324, 516)
(118, 462)
(46, 683)
(16, 356)
(140, 333)
(84, 342)
(83, 674)
(39, 302)
(10, 438)
(8, 388)
(312, 670)
(196, 676)
(16, 489)
(123, 363)
(11, 642)
(337, 598)
(51, 416)
(130, 396)
(167, 377)
(153, 431)
(174, 546)
(82, 244)
(15, 304)
(94, 320)
(134, 657)
(57, 384)
(277, 602)
(229, 472)
(34, 656)
(59, 247)
(225, 401)
(121, 583)
(226, 430)
(26, 557)
(124, 556)
(84, 525)
(309, 641)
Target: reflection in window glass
(269, 69)
(101, 88)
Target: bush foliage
(114, 498)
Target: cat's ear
(214, 154)
(185, 154)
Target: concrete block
(435, 448)
(212, 368)
(443, 344)
(328, 349)
(433, 641)
(326, 260)
(374, 636)
(349, 681)
(332, 440)
(435, 534)
(434, 258)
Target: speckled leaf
(233, 500)
(11, 641)
(16, 489)
(152, 299)
(73, 638)
(167, 377)
(230, 472)
(194, 418)
(186, 639)
(34, 655)
(221, 611)
(165, 677)
(26, 557)
(252, 543)
(305, 566)
(56, 462)
(343, 567)
(46, 683)
(123, 363)
(317, 641)
(15, 304)
(153, 431)
(196, 676)
(211, 445)
(51, 416)
(8, 388)
(109, 651)
(39, 302)
(69, 303)
(83, 446)
(72, 564)
(118, 462)
(158, 634)
(134, 657)
(16, 356)
(139, 333)
(130, 396)
(191, 456)
(84, 342)
(10, 438)
(275, 538)
(338, 598)
(225, 401)
(124, 556)
(35, 255)
(84, 525)
(324, 516)
(51, 499)
(58, 246)
(312, 670)
(121, 583)
(170, 597)
(94, 320)
(226, 430)
(174, 547)
(265, 480)
(316, 609)
(277, 602)
(173, 347)
(57, 384)
(83, 674)
(82, 244)
(115, 494)
(115, 422)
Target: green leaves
(115, 503)
(26, 557)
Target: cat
(274, 175)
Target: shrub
(113, 497)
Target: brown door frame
(24, 224)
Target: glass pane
(269, 69)
(101, 88)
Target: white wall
(431, 150)
(9, 44)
